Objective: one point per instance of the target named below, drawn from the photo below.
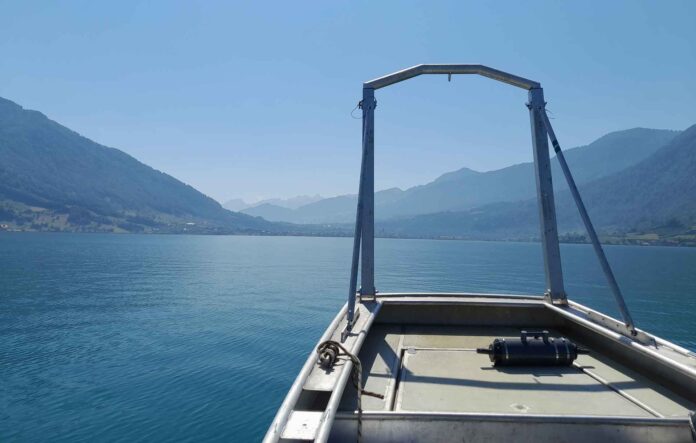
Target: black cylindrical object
(532, 349)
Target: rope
(329, 351)
(692, 424)
(358, 106)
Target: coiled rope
(329, 351)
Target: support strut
(357, 237)
(367, 198)
(547, 208)
(601, 256)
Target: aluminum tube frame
(363, 244)
(547, 209)
(364, 237)
(485, 71)
(355, 262)
(599, 251)
(367, 196)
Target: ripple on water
(141, 338)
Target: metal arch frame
(363, 243)
(417, 70)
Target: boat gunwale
(459, 294)
(570, 313)
(324, 429)
(280, 420)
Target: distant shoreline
(612, 240)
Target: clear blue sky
(253, 99)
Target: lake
(198, 338)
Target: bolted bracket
(562, 301)
(373, 295)
(349, 326)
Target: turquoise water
(197, 338)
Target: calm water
(195, 338)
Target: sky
(253, 99)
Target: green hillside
(52, 178)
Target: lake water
(198, 338)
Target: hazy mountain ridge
(52, 178)
(652, 197)
(465, 188)
(339, 209)
(238, 204)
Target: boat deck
(419, 352)
(437, 369)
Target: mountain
(271, 212)
(652, 198)
(657, 191)
(340, 209)
(52, 178)
(289, 203)
(639, 181)
(238, 204)
(465, 188)
(329, 210)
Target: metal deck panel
(473, 337)
(457, 373)
(464, 381)
(380, 359)
(643, 390)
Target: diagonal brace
(613, 285)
